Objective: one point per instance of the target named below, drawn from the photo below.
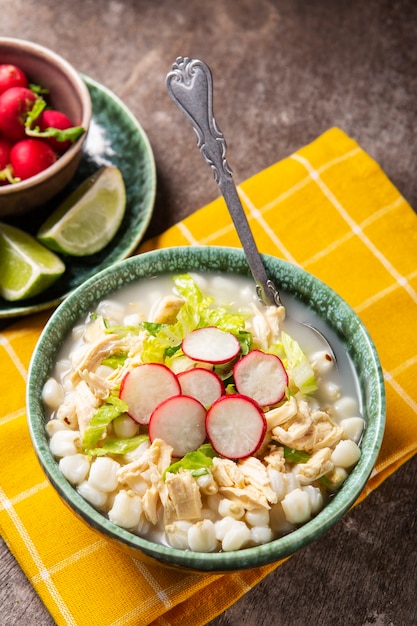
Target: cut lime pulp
(89, 218)
(26, 267)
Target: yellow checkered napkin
(328, 208)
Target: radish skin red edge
(180, 422)
(261, 376)
(235, 426)
(146, 386)
(211, 345)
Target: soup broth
(202, 500)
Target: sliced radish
(262, 377)
(235, 426)
(180, 422)
(145, 386)
(202, 384)
(210, 345)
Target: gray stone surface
(285, 71)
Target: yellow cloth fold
(330, 209)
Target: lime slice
(26, 267)
(89, 218)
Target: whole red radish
(5, 147)
(11, 76)
(15, 103)
(55, 119)
(30, 157)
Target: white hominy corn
(65, 442)
(236, 537)
(322, 362)
(229, 508)
(103, 474)
(207, 484)
(346, 453)
(92, 495)
(53, 393)
(278, 482)
(126, 510)
(261, 534)
(222, 526)
(316, 498)
(278, 522)
(346, 406)
(112, 310)
(177, 534)
(257, 517)
(297, 506)
(75, 468)
(330, 391)
(336, 478)
(202, 536)
(62, 368)
(54, 425)
(133, 319)
(124, 427)
(291, 481)
(353, 428)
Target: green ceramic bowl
(335, 317)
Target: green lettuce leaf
(119, 446)
(197, 462)
(298, 365)
(101, 419)
(196, 312)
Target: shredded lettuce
(197, 462)
(295, 456)
(114, 360)
(108, 411)
(119, 446)
(165, 340)
(298, 365)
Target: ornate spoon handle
(190, 86)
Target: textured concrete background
(285, 71)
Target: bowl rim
(134, 268)
(76, 79)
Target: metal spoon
(190, 86)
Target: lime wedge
(26, 267)
(89, 218)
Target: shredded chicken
(281, 414)
(256, 475)
(265, 326)
(86, 404)
(184, 495)
(93, 354)
(250, 497)
(308, 430)
(226, 473)
(144, 476)
(317, 465)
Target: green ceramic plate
(115, 138)
(332, 315)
